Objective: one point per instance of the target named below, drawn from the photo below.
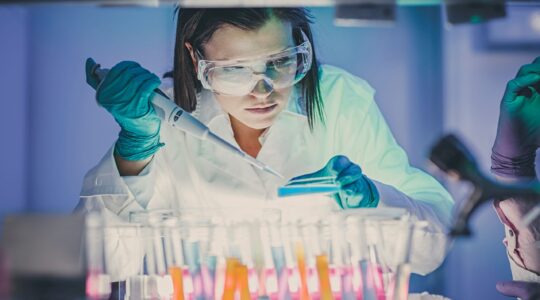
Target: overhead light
(218, 3)
(252, 3)
(474, 11)
(365, 12)
(535, 21)
(97, 2)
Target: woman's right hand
(125, 92)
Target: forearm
(119, 194)
(131, 167)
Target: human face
(259, 108)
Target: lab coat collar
(209, 111)
(278, 142)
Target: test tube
(217, 260)
(370, 263)
(192, 255)
(143, 284)
(373, 262)
(175, 264)
(341, 265)
(230, 278)
(98, 285)
(302, 270)
(320, 237)
(155, 279)
(400, 287)
(246, 232)
(278, 255)
(220, 278)
(196, 233)
(243, 281)
(315, 260)
(168, 252)
(273, 277)
(178, 282)
(163, 280)
(239, 260)
(375, 272)
(249, 266)
(291, 280)
(324, 277)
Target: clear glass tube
(251, 254)
(98, 282)
(373, 260)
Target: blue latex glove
(125, 93)
(518, 131)
(520, 289)
(356, 189)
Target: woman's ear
(189, 47)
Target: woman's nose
(263, 88)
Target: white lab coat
(189, 173)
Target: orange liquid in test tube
(242, 283)
(300, 256)
(178, 282)
(230, 278)
(325, 289)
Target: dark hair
(196, 26)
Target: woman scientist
(252, 77)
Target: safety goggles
(239, 77)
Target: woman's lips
(262, 110)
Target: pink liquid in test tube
(375, 274)
(347, 277)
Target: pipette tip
(274, 172)
(260, 165)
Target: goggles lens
(239, 77)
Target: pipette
(173, 115)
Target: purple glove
(521, 289)
(518, 132)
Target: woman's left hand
(357, 190)
(521, 289)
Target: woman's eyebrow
(265, 54)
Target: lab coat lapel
(220, 161)
(285, 145)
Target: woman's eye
(231, 73)
(232, 69)
(283, 62)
